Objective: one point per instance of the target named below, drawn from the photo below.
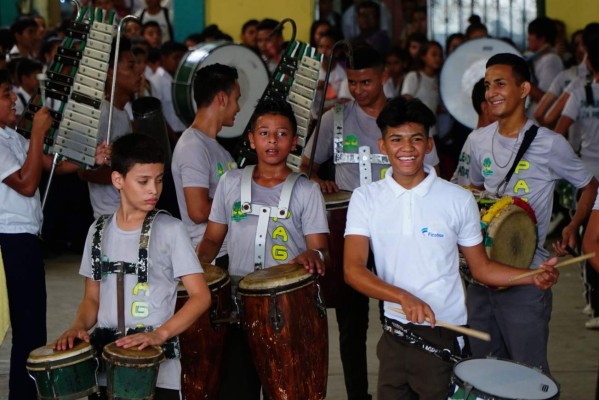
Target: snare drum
(64, 374)
(202, 344)
(335, 291)
(253, 78)
(486, 378)
(131, 373)
(510, 228)
(286, 327)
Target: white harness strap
(363, 157)
(264, 213)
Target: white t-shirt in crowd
(18, 213)
(162, 81)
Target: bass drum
(253, 78)
(462, 69)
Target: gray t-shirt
(198, 161)
(170, 256)
(105, 199)
(586, 119)
(286, 237)
(548, 159)
(359, 129)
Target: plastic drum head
(119, 355)
(40, 358)
(253, 79)
(504, 379)
(280, 277)
(462, 69)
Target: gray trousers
(517, 319)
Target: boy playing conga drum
(150, 281)
(416, 254)
(298, 237)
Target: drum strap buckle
(401, 333)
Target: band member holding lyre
(103, 195)
(21, 163)
(416, 256)
(518, 318)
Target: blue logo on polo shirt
(426, 233)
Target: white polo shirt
(18, 213)
(414, 236)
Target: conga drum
(131, 374)
(285, 324)
(64, 374)
(334, 289)
(202, 344)
(489, 378)
(253, 78)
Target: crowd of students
(384, 102)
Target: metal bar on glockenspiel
(52, 170)
(350, 56)
(114, 71)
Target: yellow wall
(230, 15)
(575, 13)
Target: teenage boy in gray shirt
(199, 161)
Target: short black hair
(543, 27)
(399, 111)
(124, 47)
(5, 76)
(593, 53)
(369, 4)
(589, 32)
(331, 34)
(416, 37)
(21, 24)
(150, 24)
(520, 70)
(365, 56)
(399, 52)
(248, 24)
(212, 79)
(269, 24)
(478, 95)
(48, 44)
(28, 67)
(275, 107)
(135, 148)
(171, 47)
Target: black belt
(400, 332)
(100, 337)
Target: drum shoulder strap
(99, 266)
(588, 91)
(529, 136)
(96, 250)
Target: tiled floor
(573, 350)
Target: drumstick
(461, 329)
(558, 265)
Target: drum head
(513, 237)
(47, 353)
(337, 200)
(253, 78)
(213, 274)
(276, 277)
(462, 69)
(132, 355)
(505, 379)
